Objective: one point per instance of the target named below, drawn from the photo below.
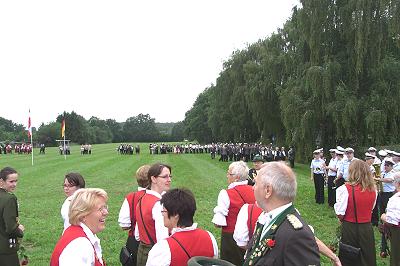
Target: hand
(21, 227)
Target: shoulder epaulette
(294, 221)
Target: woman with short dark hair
(72, 182)
(10, 229)
(186, 240)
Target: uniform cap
(390, 161)
(339, 152)
(371, 149)
(332, 150)
(369, 156)
(396, 154)
(340, 148)
(349, 150)
(317, 151)
(382, 153)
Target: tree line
(330, 76)
(140, 128)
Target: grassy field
(40, 193)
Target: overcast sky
(116, 59)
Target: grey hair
(281, 178)
(239, 169)
(396, 180)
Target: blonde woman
(79, 244)
(354, 204)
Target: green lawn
(40, 193)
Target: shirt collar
(92, 237)
(269, 216)
(237, 183)
(141, 188)
(179, 229)
(154, 193)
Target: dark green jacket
(8, 222)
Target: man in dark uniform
(258, 160)
(281, 237)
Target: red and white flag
(29, 124)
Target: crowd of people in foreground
(259, 224)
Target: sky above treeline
(116, 59)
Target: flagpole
(30, 132)
(65, 150)
(32, 148)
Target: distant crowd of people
(86, 149)
(128, 149)
(228, 151)
(23, 148)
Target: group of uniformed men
(383, 166)
(23, 148)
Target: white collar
(154, 193)
(237, 183)
(179, 229)
(268, 216)
(92, 237)
(141, 188)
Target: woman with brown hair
(354, 204)
(149, 219)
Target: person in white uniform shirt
(317, 167)
(332, 169)
(392, 220)
(72, 182)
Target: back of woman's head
(141, 175)
(6, 171)
(360, 174)
(75, 179)
(83, 202)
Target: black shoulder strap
(181, 246)
(251, 222)
(141, 216)
(239, 194)
(133, 211)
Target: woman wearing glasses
(149, 220)
(72, 182)
(79, 244)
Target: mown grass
(40, 193)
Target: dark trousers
(291, 163)
(230, 250)
(331, 191)
(377, 212)
(319, 188)
(383, 204)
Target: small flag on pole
(29, 124)
(63, 128)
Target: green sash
(261, 246)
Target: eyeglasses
(165, 176)
(103, 208)
(68, 185)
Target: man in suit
(281, 237)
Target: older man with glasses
(229, 203)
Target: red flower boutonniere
(270, 243)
